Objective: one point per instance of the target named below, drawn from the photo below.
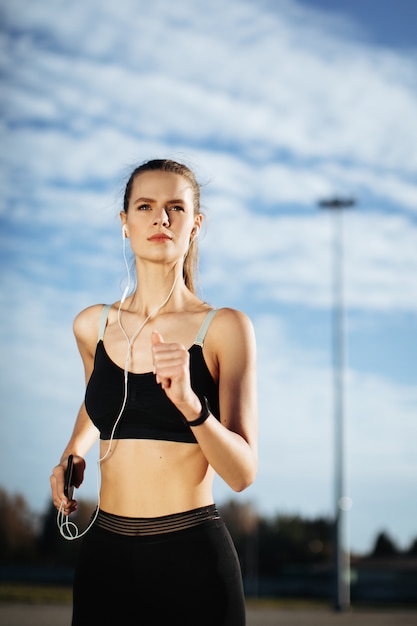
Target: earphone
(126, 291)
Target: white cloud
(277, 85)
(288, 258)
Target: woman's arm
(230, 446)
(84, 434)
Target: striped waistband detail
(146, 526)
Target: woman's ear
(197, 226)
(194, 233)
(125, 232)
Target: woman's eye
(144, 207)
(177, 207)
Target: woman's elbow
(245, 479)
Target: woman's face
(160, 220)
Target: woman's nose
(162, 217)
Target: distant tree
(266, 545)
(288, 539)
(242, 521)
(18, 527)
(412, 550)
(240, 518)
(384, 547)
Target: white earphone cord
(69, 530)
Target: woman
(171, 392)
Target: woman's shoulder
(231, 339)
(86, 323)
(231, 323)
(226, 315)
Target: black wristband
(205, 413)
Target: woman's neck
(158, 289)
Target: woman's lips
(159, 237)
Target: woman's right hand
(57, 483)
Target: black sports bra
(148, 414)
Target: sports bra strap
(199, 340)
(103, 321)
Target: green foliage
(412, 550)
(384, 547)
(265, 545)
(17, 529)
(292, 539)
(26, 538)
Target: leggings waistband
(144, 526)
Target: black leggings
(184, 571)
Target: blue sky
(275, 106)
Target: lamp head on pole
(337, 203)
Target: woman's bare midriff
(148, 478)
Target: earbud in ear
(194, 233)
(124, 231)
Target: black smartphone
(68, 486)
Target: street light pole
(341, 552)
